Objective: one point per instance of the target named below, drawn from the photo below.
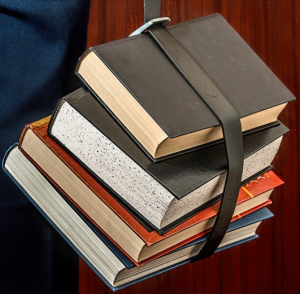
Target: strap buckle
(145, 26)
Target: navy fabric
(40, 43)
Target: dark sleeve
(40, 43)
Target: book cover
(139, 85)
(162, 192)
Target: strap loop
(163, 20)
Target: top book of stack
(142, 89)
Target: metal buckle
(141, 29)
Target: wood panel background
(270, 264)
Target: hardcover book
(142, 89)
(162, 193)
(115, 272)
(103, 209)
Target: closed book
(105, 212)
(139, 85)
(162, 193)
(87, 243)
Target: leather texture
(231, 127)
(159, 87)
(151, 9)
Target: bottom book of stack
(107, 260)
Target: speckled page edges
(132, 182)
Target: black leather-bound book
(139, 85)
(165, 192)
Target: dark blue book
(107, 261)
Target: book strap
(151, 9)
(225, 113)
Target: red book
(103, 210)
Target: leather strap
(227, 116)
(151, 9)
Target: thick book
(88, 244)
(103, 210)
(162, 193)
(139, 85)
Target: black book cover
(225, 57)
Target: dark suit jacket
(40, 43)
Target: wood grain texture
(271, 263)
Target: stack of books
(130, 168)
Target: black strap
(227, 116)
(151, 9)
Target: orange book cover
(265, 182)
